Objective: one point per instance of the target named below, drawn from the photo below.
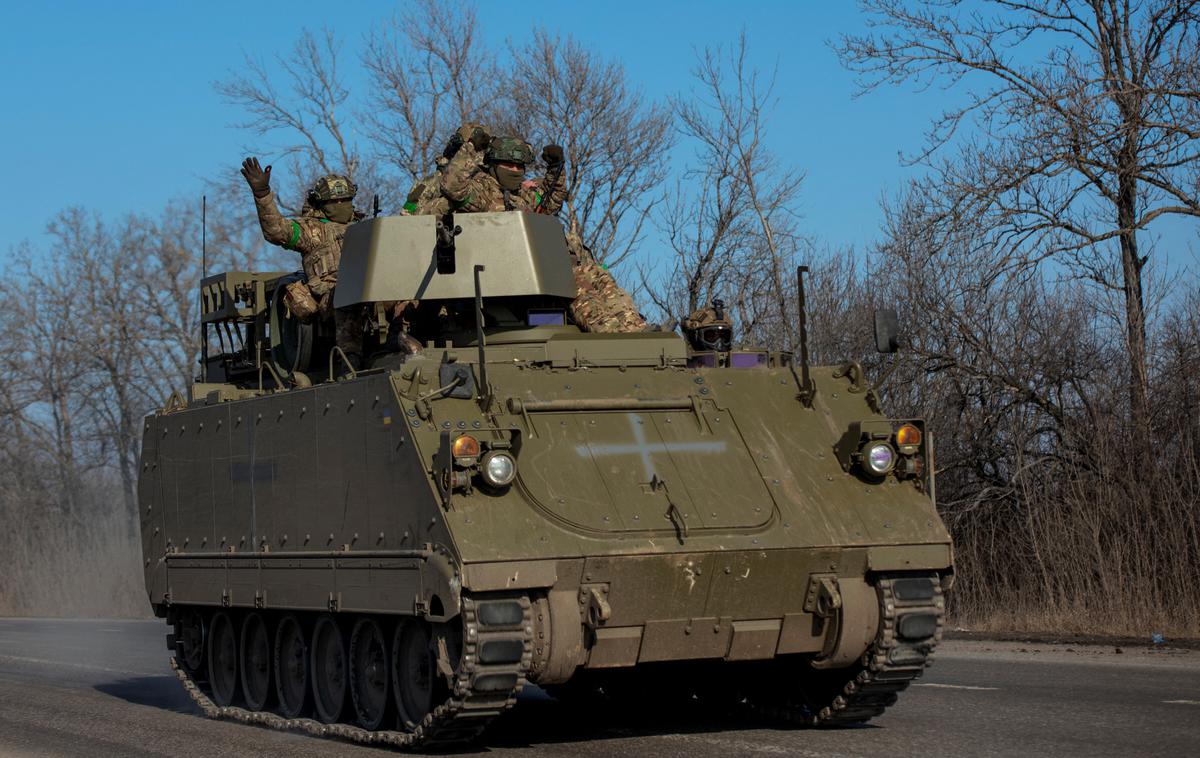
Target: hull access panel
(644, 472)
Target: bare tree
(616, 140)
(429, 75)
(1085, 120)
(309, 113)
(733, 223)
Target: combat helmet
(508, 149)
(708, 328)
(332, 187)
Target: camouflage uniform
(468, 187)
(319, 242)
(425, 191)
(600, 304)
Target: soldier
(493, 179)
(600, 304)
(317, 235)
(428, 190)
(708, 329)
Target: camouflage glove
(476, 135)
(257, 177)
(552, 155)
(452, 147)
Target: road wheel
(223, 659)
(417, 684)
(189, 641)
(369, 673)
(291, 667)
(329, 667)
(255, 662)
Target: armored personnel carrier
(389, 552)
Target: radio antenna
(203, 276)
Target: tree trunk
(1135, 317)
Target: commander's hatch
(685, 472)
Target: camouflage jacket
(467, 186)
(317, 239)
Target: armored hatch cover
(395, 258)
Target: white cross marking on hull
(645, 449)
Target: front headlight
(498, 468)
(878, 458)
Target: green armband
(290, 244)
(410, 207)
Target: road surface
(103, 688)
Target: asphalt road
(103, 688)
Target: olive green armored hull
(350, 558)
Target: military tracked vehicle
(389, 552)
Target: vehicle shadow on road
(155, 691)
(545, 721)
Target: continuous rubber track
(485, 685)
(841, 697)
(814, 698)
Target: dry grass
(1101, 553)
(59, 566)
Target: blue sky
(111, 105)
